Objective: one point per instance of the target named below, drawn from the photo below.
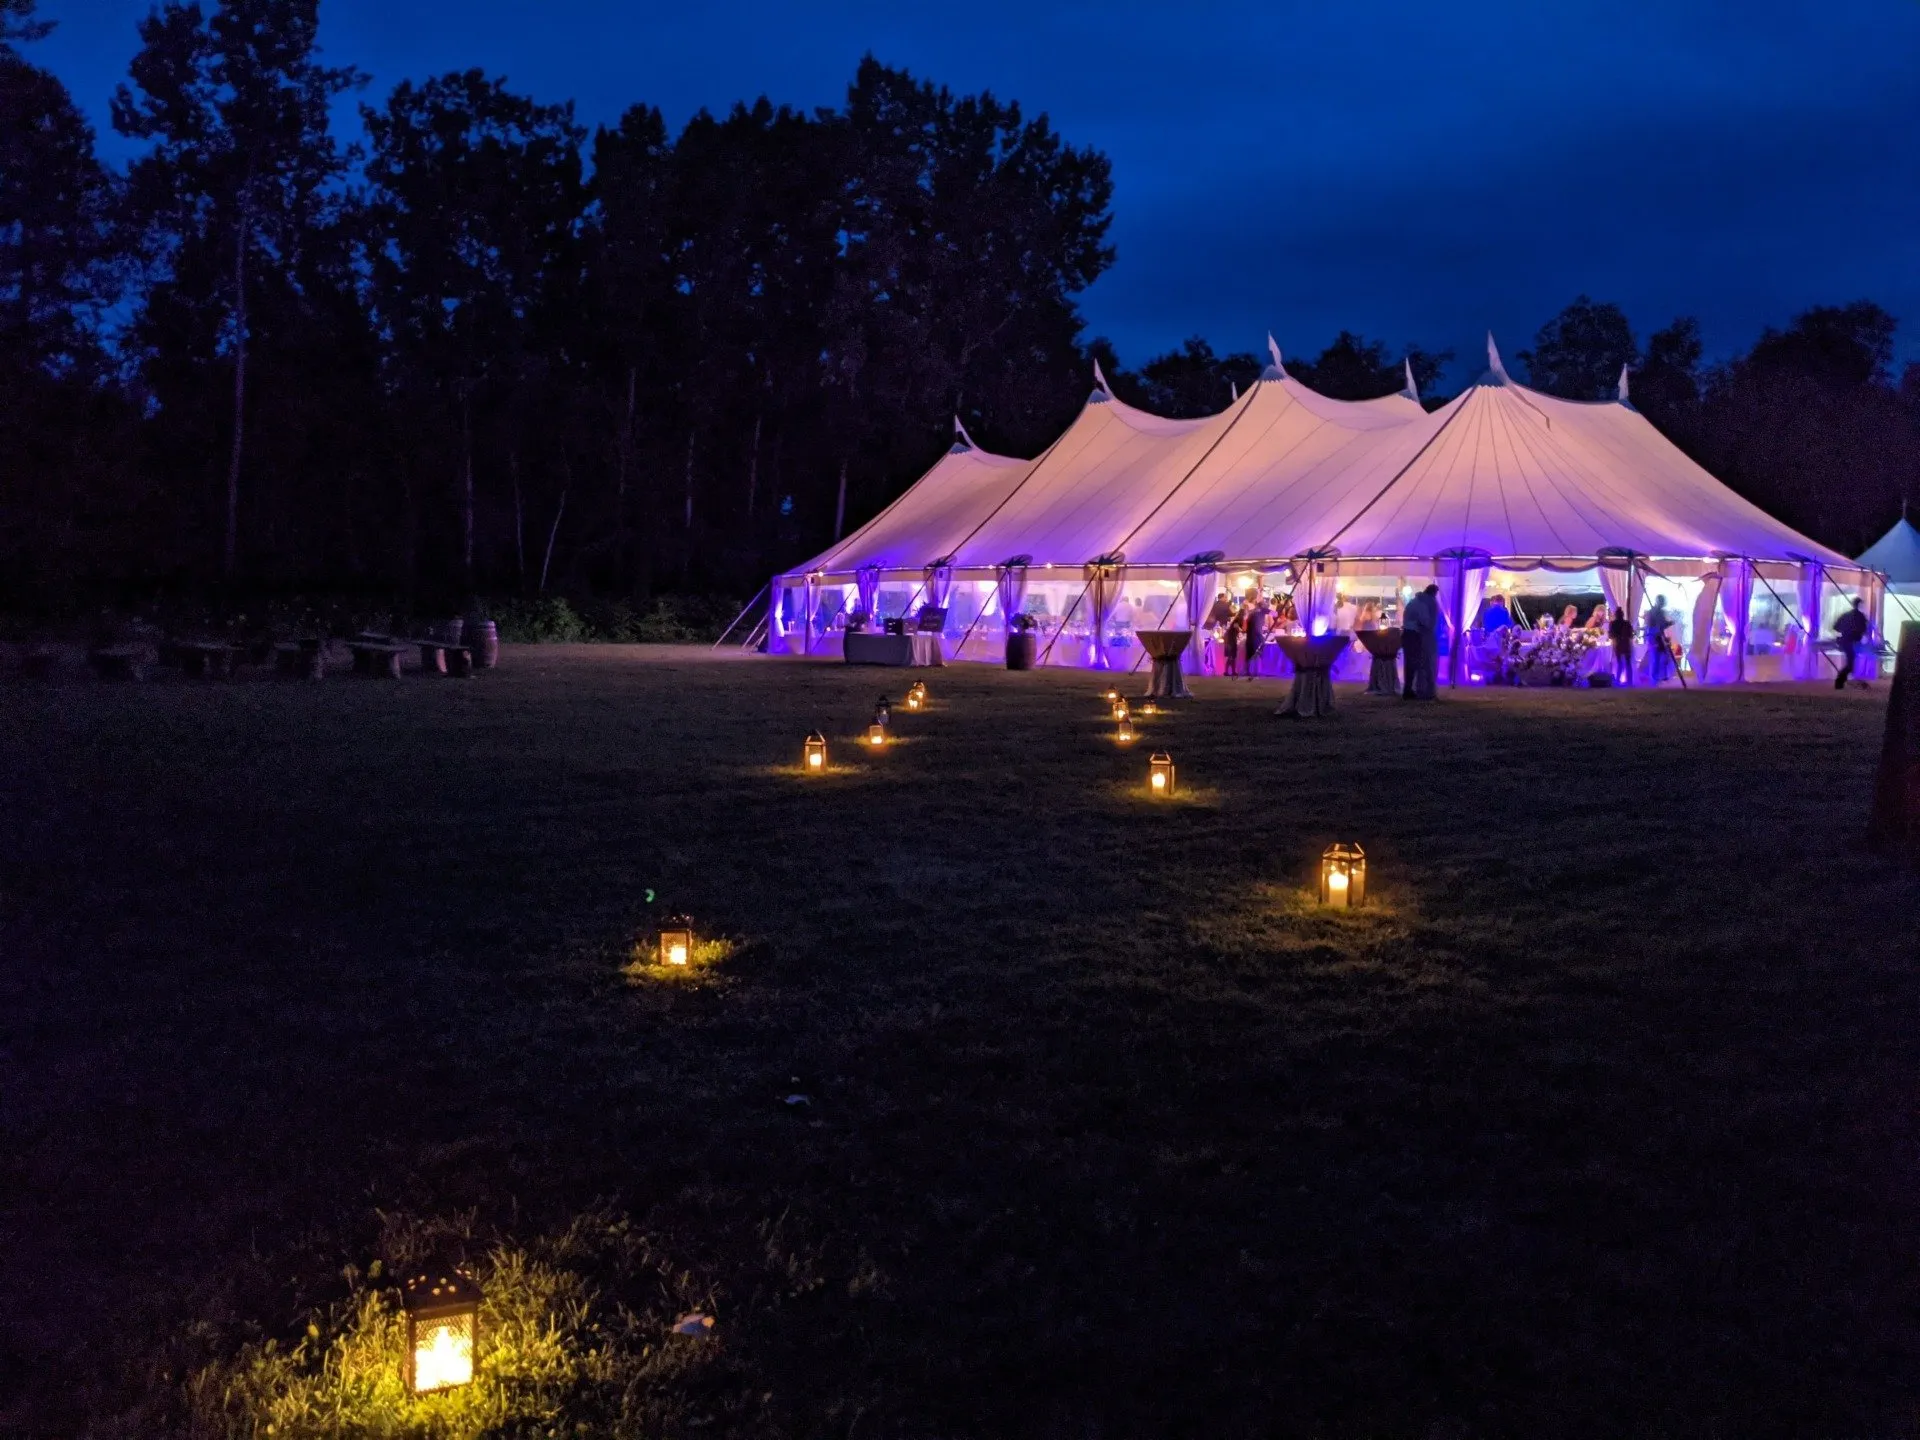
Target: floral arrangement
(1558, 654)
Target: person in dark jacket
(1850, 630)
(1620, 632)
(1256, 635)
(1230, 641)
(1420, 645)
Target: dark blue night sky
(1415, 172)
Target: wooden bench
(445, 659)
(377, 657)
(119, 662)
(211, 659)
(304, 658)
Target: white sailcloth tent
(1130, 521)
(1896, 556)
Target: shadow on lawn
(1597, 1123)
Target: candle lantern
(876, 735)
(442, 1305)
(882, 711)
(816, 751)
(1160, 774)
(1125, 732)
(1343, 877)
(676, 941)
(917, 696)
(1120, 711)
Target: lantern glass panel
(1343, 877)
(676, 946)
(1126, 728)
(816, 751)
(1160, 774)
(876, 734)
(442, 1306)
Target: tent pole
(1063, 625)
(743, 614)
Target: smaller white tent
(1896, 555)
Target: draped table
(1312, 657)
(1383, 646)
(1164, 647)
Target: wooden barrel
(483, 639)
(1020, 650)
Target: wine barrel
(1020, 650)
(483, 639)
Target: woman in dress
(1598, 619)
(1569, 617)
(1230, 640)
(1369, 616)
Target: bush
(668, 620)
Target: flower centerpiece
(1545, 657)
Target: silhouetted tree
(1579, 353)
(241, 177)
(475, 207)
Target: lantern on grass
(917, 696)
(1125, 731)
(442, 1305)
(676, 941)
(882, 711)
(1112, 697)
(1120, 711)
(1160, 774)
(876, 735)
(816, 751)
(1343, 877)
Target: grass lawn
(1601, 1121)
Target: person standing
(1620, 632)
(1257, 620)
(1850, 630)
(1659, 648)
(1230, 641)
(1420, 645)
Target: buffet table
(869, 647)
(1312, 657)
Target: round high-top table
(1164, 647)
(1383, 646)
(1312, 657)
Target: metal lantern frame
(676, 933)
(882, 711)
(876, 736)
(1160, 774)
(1120, 710)
(917, 696)
(434, 1298)
(1124, 731)
(1349, 861)
(816, 751)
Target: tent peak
(1624, 400)
(1496, 372)
(1412, 392)
(1102, 392)
(962, 442)
(1277, 370)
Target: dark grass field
(1602, 1121)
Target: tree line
(478, 348)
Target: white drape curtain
(939, 583)
(776, 623)
(1810, 588)
(811, 609)
(1106, 582)
(1736, 603)
(866, 581)
(1463, 580)
(1011, 585)
(1625, 587)
(1195, 589)
(1701, 651)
